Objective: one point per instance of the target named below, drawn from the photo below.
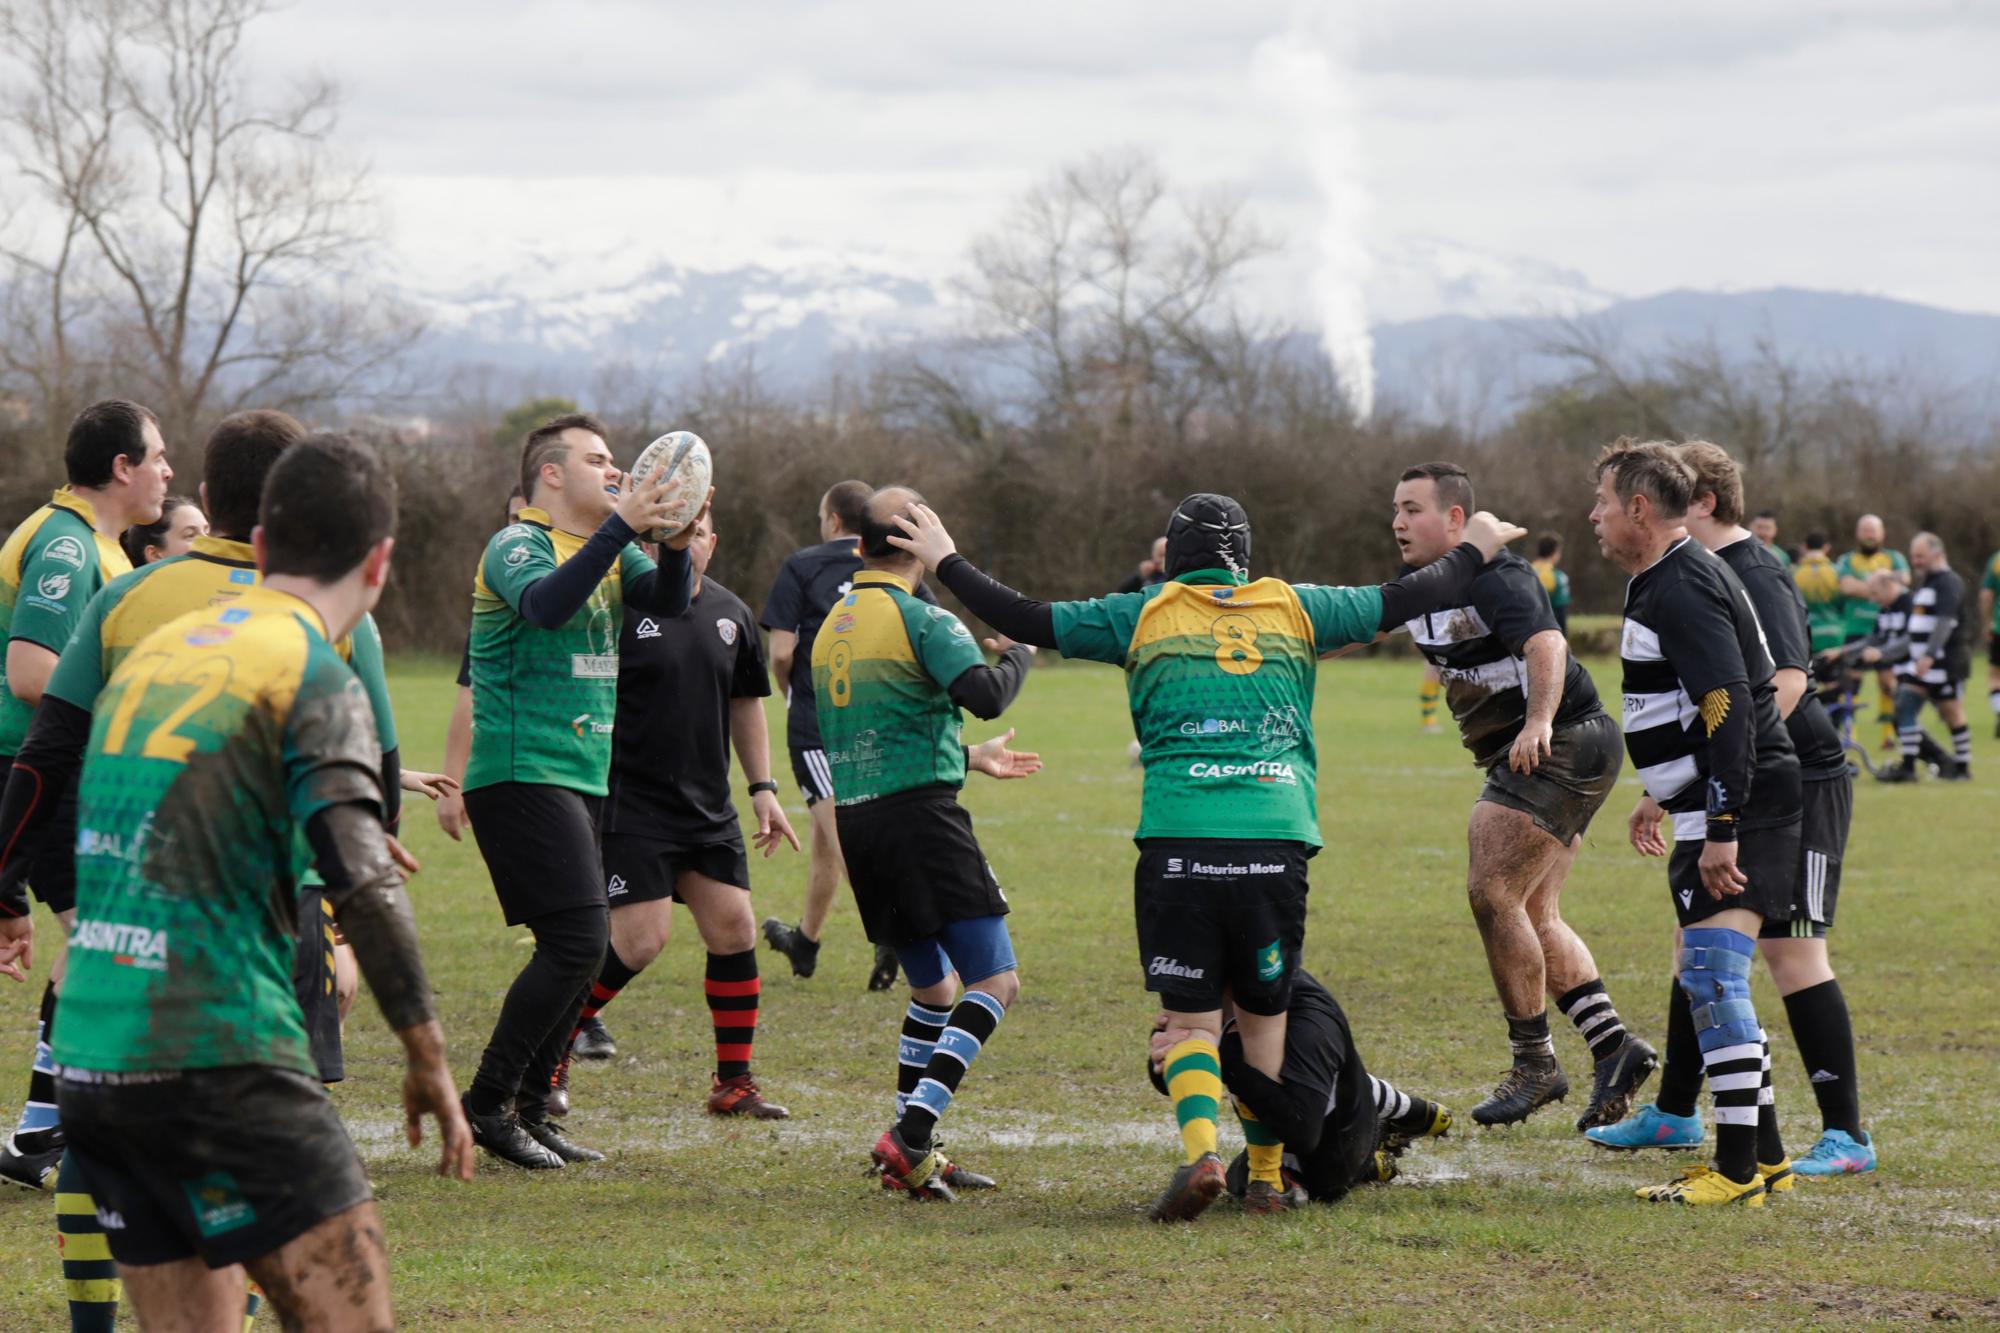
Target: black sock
(1530, 1037)
(38, 1125)
(1770, 1143)
(1589, 1008)
(1680, 1077)
(1825, 1040)
(972, 1023)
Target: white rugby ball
(682, 454)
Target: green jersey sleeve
(54, 592)
(1899, 562)
(1101, 629)
(79, 673)
(944, 645)
(331, 755)
(632, 562)
(1341, 616)
(515, 560)
(373, 674)
(1991, 581)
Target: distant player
(1702, 727)
(1221, 672)
(890, 674)
(227, 744)
(1819, 584)
(546, 609)
(1795, 950)
(690, 686)
(1989, 622)
(1555, 579)
(1339, 1125)
(1928, 624)
(808, 584)
(50, 567)
(172, 534)
(1151, 570)
(1764, 527)
(1529, 713)
(1868, 557)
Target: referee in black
(1703, 731)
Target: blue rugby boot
(1838, 1154)
(1649, 1127)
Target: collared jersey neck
(224, 550)
(1193, 576)
(289, 601)
(65, 498)
(883, 576)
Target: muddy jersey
(50, 568)
(1220, 676)
(1480, 652)
(213, 744)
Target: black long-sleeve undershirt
(1732, 758)
(44, 773)
(986, 691)
(550, 602)
(365, 889)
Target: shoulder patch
(66, 550)
(517, 555)
(727, 629)
(53, 586)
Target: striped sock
(1427, 701)
(38, 1114)
(922, 1026)
(733, 988)
(1735, 1075)
(1961, 746)
(89, 1275)
(612, 977)
(1589, 1008)
(1265, 1150)
(972, 1023)
(1770, 1143)
(1399, 1111)
(1389, 1103)
(1194, 1081)
(1910, 740)
(1530, 1037)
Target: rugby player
(808, 584)
(50, 567)
(1928, 624)
(1151, 570)
(1555, 580)
(1989, 621)
(230, 741)
(890, 675)
(1796, 949)
(173, 533)
(1819, 584)
(1529, 713)
(1764, 527)
(1702, 727)
(1339, 1125)
(547, 605)
(1220, 671)
(1868, 557)
(690, 686)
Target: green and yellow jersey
(1220, 676)
(543, 700)
(1826, 608)
(217, 738)
(49, 570)
(1990, 582)
(882, 664)
(1858, 613)
(1555, 582)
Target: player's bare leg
(185, 1296)
(335, 1277)
(1509, 855)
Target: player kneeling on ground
(890, 674)
(226, 742)
(1220, 672)
(1328, 1124)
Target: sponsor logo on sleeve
(616, 887)
(726, 628)
(55, 587)
(516, 556)
(68, 550)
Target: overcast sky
(1732, 145)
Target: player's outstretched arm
(993, 758)
(1021, 619)
(1447, 581)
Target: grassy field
(774, 1225)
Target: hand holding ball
(668, 488)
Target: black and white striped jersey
(1781, 610)
(1690, 631)
(1932, 617)
(1478, 650)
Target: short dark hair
(876, 528)
(546, 445)
(1771, 514)
(1816, 541)
(1548, 545)
(327, 502)
(1653, 469)
(848, 502)
(1454, 485)
(139, 536)
(102, 434)
(241, 450)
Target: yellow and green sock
(1265, 1150)
(1194, 1081)
(1427, 700)
(89, 1275)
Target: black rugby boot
(1530, 1085)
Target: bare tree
(188, 239)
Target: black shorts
(1829, 809)
(1937, 691)
(313, 981)
(813, 774)
(1569, 786)
(540, 846)
(639, 869)
(1993, 650)
(915, 866)
(224, 1164)
(1769, 858)
(1216, 915)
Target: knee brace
(1909, 706)
(1715, 973)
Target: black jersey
(1479, 652)
(1781, 610)
(670, 749)
(1321, 1080)
(1691, 634)
(808, 584)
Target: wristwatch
(766, 785)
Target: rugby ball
(682, 454)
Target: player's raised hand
(17, 946)
(1489, 533)
(994, 759)
(925, 537)
(1643, 828)
(1719, 874)
(646, 505)
(683, 539)
(772, 826)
